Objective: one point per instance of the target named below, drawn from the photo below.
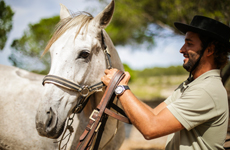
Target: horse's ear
(64, 12)
(103, 19)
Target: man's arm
(152, 123)
(157, 109)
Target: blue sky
(165, 52)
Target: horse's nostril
(49, 121)
(49, 117)
(49, 111)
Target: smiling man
(196, 115)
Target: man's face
(191, 50)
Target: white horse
(19, 99)
(77, 54)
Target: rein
(99, 116)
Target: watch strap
(126, 87)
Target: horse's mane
(81, 18)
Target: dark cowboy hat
(208, 27)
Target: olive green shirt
(202, 108)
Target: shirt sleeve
(175, 95)
(168, 100)
(194, 107)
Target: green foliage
(159, 71)
(155, 72)
(132, 18)
(31, 45)
(157, 83)
(131, 25)
(156, 87)
(128, 25)
(6, 15)
(131, 72)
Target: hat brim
(185, 28)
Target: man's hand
(109, 74)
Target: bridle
(84, 90)
(102, 108)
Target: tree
(6, 15)
(134, 17)
(31, 45)
(131, 24)
(128, 25)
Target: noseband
(84, 90)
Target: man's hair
(221, 50)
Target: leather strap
(116, 116)
(98, 117)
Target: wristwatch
(120, 89)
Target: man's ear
(211, 49)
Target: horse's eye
(84, 54)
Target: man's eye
(83, 54)
(189, 44)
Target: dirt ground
(135, 141)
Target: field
(157, 87)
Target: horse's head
(77, 55)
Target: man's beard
(193, 57)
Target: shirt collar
(210, 73)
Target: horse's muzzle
(47, 124)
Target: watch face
(119, 90)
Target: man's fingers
(106, 71)
(109, 74)
(125, 80)
(110, 71)
(102, 78)
(127, 75)
(105, 80)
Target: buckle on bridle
(106, 51)
(91, 116)
(84, 91)
(94, 119)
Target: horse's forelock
(81, 18)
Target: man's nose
(182, 49)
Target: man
(196, 114)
